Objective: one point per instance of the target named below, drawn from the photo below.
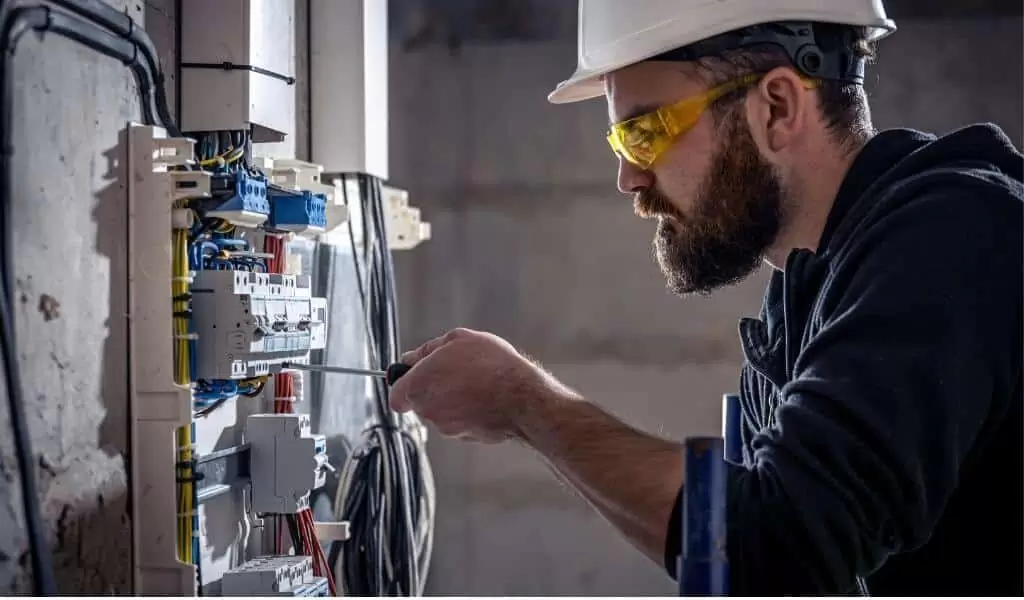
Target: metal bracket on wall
(222, 471)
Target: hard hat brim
(578, 88)
(586, 84)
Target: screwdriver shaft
(326, 369)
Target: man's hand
(475, 385)
(472, 384)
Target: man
(881, 390)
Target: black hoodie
(882, 388)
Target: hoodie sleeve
(917, 352)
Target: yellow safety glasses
(642, 139)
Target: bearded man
(881, 391)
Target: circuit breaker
(247, 322)
(288, 461)
(274, 576)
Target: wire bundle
(188, 501)
(386, 489)
(286, 393)
(311, 547)
(274, 246)
(184, 355)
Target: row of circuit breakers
(275, 318)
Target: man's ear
(777, 111)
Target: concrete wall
(69, 211)
(532, 241)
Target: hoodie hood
(897, 158)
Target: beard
(736, 217)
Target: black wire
(42, 560)
(15, 23)
(383, 502)
(101, 13)
(212, 407)
(293, 532)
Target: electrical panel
(218, 304)
(234, 250)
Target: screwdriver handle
(395, 371)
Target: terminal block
(287, 462)
(239, 198)
(297, 211)
(274, 576)
(290, 175)
(247, 322)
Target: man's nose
(633, 179)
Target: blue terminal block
(247, 205)
(297, 212)
(705, 567)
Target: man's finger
(414, 356)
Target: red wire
(320, 566)
(284, 390)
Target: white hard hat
(617, 33)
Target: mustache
(652, 203)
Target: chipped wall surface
(69, 209)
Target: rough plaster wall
(532, 241)
(69, 222)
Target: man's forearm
(630, 477)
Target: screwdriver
(391, 375)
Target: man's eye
(638, 136)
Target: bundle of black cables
(386, 491)
(104, 29)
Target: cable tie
(286, 398)
(186, 336)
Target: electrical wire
(386, 489)
(98, 11)
(188, 514)
(181, 306)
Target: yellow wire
(229, 156)
(179, 289)
(235, 156)
(182, 376)
(217, 160)
(185, 507)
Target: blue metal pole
(705, 567)
(731, 428)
